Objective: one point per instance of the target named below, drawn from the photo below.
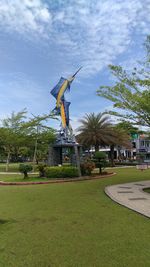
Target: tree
(131, 91)
(44, 138)
(12, 135)
(121, 139)
(95, 130)
(25, 168)
(100, 160)
(19, 137)
(127, 127)
(42, 135)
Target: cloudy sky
(40, 41)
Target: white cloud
(26, 16)
(91, 33)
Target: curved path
(132, 196)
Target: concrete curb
(139, 200)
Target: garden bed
(57, 180)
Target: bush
(41, 169)
(100, 155)
(61, 172)
(25, 168)
(126, 163)
(100, 160)
(87, 167)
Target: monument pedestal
(64, 154)
(65, 151)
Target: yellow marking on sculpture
(63, 88)
(63, 117)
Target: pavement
(132, 196)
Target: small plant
(100, 160)
(41, 168)
(61, 172)
(140, 158)
(87, 167)
(25, 168)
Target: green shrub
(25, 168)
(61, 172)
(100, 160)
(126, 163)
(41, 168)
(87, 167)
(100, 155)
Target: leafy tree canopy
(95, 129)
(131, 91)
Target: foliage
(12, 134)
(125, 163)
(87, 167)
(95, 130)
(15, 121)
(100, 155)
(41, 134)
(100, 160)
(140, 158)
(25, 168)
(131, 93)
(61, 172)
(121, 139)
(41, 168)
(127, 127)
(18, 137)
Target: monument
(65, 150)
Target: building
(140, 146)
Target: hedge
(61, 172)
(126, 163)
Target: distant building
(140, 145)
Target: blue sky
(40, 41)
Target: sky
(40, 41)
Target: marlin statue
(62, 106)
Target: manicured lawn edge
(121, 203)
(85, 178)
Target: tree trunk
(96, 147)
(77, 159)
(100, 168)
(112, 148)
(7, 161)
(35, 148)
(25, 175)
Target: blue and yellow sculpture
(62, 106)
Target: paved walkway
(132, 196)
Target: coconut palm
(95, 130)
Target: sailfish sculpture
(62, 106)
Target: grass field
(13, 167)
(20, 178)
(72, 225)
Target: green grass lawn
(13, 167)
(20, 178)
(72, 225)
(147, 190)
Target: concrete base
(58, 154)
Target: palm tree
(95, 130)
(120, 139)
